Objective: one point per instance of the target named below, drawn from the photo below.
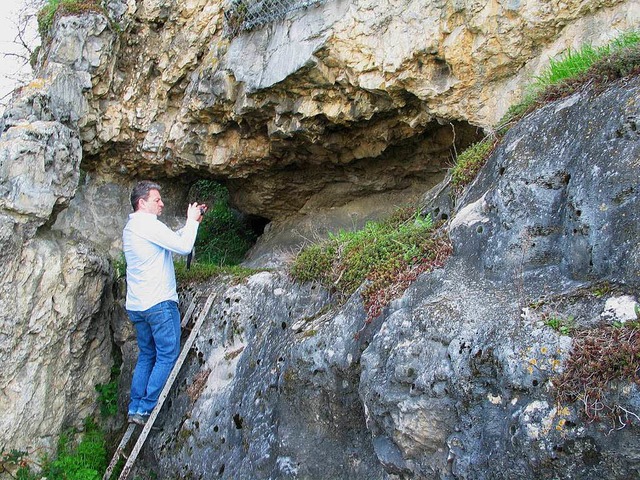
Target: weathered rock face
(457, 380)
(367, 95)
(54, 345)
(454, 379)
(331, 116)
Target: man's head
(145, 197)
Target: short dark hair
(141, 190)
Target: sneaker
(138, 418)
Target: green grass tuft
(388, 255)
(469, 162)
(575, 68)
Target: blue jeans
(158, 335)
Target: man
(152, 300)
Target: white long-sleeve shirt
(148, 244)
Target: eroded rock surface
(454, 379)
(54, 292)
(331, 116)
(371, 97)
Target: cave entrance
(226, 234)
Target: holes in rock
(578, 213)
(215, 428)
(221, 470)
(284, 325)
(535, 383)
(501, 171)
(480, 229)
(237, 420)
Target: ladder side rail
(165, 391)
(119, 450)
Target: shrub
(223, 237)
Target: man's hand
(196, 211)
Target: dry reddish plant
(601, 358)
(387, 286)
(199, 381)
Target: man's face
(153, 204)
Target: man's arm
(181, 243)
(161, 235)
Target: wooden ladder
(163, 395)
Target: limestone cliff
(455, 379)
(329, 116)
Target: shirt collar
(143, 215)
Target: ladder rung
(189, 312)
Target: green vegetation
(564, 76)
(85, 461)
(561, 325)
(119, 266)
(223, 237)
(388, 254)
(597, 65)
(51, 8)
(470, 161)
(600, 357)
(200, 272)
(108, 394)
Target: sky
(11, 68)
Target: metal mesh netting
(243, 15)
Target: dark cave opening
(226, 233)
